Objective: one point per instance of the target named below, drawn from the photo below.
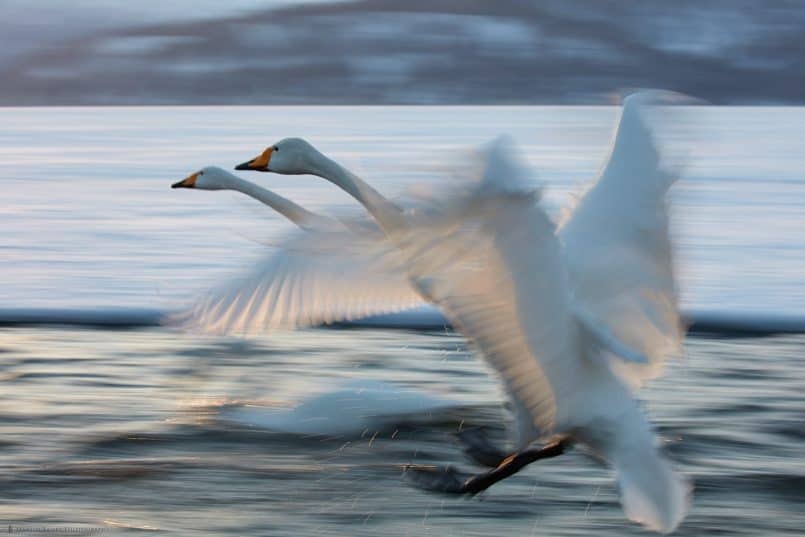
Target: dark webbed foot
(446, 479)
(476, 446)
(449, 480)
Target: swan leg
(476, 446)
(451, 481)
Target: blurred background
(110, 421)
(387, 51)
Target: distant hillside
(431, 51)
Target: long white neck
(290, 210)
(388, 216)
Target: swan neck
(290, 210)
(386, 213)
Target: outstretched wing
(618, 247)
(492, 263)
(313, 277)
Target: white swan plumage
(495, 267)
(326, 271)
(618, 247)
(348, 408)
(494, 263)
(616, 244)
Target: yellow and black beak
(259, 164)
(187, 182)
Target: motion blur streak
(150, 428)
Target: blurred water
(145, 430)
(107, 428)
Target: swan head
(290, 156)
(209, 178)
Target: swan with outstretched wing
(490, 258)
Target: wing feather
(619, 251)
(314, 277)
(495, 269)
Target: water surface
(145, 430)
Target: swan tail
(652, 493)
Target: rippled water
(107, 428)
(150, 429)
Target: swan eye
(276, 148)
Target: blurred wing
(315, 277)
(491, 169)
(618, 247)
(493, 266)
(599, 335)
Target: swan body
(492, 260)
(499, 275)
